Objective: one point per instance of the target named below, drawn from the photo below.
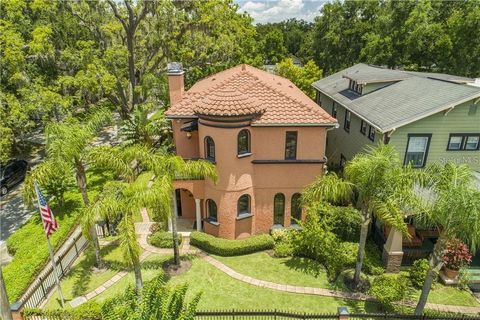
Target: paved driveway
(13, 212)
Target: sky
(263, 11)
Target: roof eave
(333, 124)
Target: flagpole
(52, 258)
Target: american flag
(50, 225)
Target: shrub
(391, 288)
(224, 247)
(87, 311)
(456, 255)
(283, 249)
(157, 226)
(418, 272)
(162, 239)
(344, 221)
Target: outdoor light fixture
(189, 135)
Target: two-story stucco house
(266, 138)
(427, 117)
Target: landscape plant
(453, 207)
(155, 301)
(456, 255)
(378, 184)
(418, 272)
(67, 144)
(225, 247)
(389, 289)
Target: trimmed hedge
(162, 239)
(224, 247)
(87, 311)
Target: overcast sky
(263, 11)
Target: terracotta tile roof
(245, 90)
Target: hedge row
(87, 311)
(162, 239)
(224, 247)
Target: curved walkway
(326, 292)
(143, 229)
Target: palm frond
(329, 188)
(128, 240)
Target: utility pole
(5, 312)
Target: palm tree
(67, 147)
(141, 128)
(155, 301)
(120, 200)
(166, 168)
(378, 184)
(453, 202)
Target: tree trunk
(5, 312)
(435, 265)
(82, 185)
(176, 250)
(361, 246)
(138, 275)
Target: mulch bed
(172, 270)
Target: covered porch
(187, 205)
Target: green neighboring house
(427, 117)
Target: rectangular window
(417, 149)
(319, 98)
(363, 127)
(455, 143)
(371, 133)
(471, 142)
(334, 110)
(463, 141)
(291, 145)
(346, 124)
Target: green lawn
(82, 280)
(305, 272)
(221, 292)
(292, 271)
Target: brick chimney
(175, 81)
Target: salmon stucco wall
(249, 174)
(185, 147)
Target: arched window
(296, 210)
(243, 205)
(209, 148)
(278, 209)
(243, 141)
(212, 210)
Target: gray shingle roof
(397, 104)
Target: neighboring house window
(334, 110)
(243, 141)
(363, 127)
(371, 133)
(291, 145)
(296, 209)
(212, 210)
(463, 142)
(354, 86)
(319, 98)
(417, 149)
(278, 208)
(243, 205)
(209, 148)
(346, 124)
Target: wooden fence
(40, 288)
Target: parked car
(12, 173)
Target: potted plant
(456, 256)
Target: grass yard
(82, 280)
(221, 292)
(292, 271)
(305, 272)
